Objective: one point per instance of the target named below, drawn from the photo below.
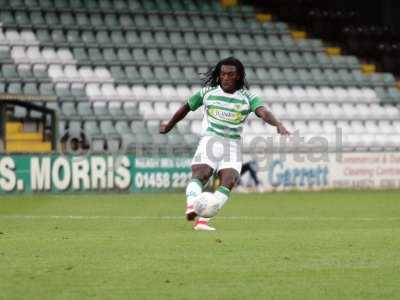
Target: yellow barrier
(299, 35)
(333, 51)
(263, 17)
(27, 147)
(228, 3)
(18, 141)
(368, 68)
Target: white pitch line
(244, 218)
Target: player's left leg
(229, 171)
(229, 178)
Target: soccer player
(227, 103)
(251, 167)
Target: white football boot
(202, 226)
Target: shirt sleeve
(195, 101)
(255, 103)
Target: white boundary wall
(330, 170)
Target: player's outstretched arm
(269, 118)
(178, 115)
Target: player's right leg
(201, 173)
(202, 169)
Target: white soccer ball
(206, 205)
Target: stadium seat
(299, 93)
(87, 74)
(68, 109)
(108, 91)
(84, 109)
(126, 21)
(155, 21)
(25, 72)
(123, 92)
(19, 54)
(124, 55)
(107, 129)
(77, 89)
(115, 109)
(139, 127)
(146, 109)
(72, 73)
(190, 38)
(100, 108)
(139, 92)
(36, 18)
(147, 74)
(88, 37)
(110, 20)
(176, 74)
(73, 37)
(91, 129)
(321, 110)
(82, 20)
(117, 73)
(9, 71)
(46, 89)
(131, 110)
(123, 128)
(62, 90)
(96, 20)
(30, 89)
(118, 38)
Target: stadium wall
(126, 173)
(315, 171)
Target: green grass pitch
(295, 245)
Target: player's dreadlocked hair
(212, 76)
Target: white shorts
(219, 153)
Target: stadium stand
(119, 67)
(369, 31)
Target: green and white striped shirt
(224, 113)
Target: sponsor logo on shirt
(224, 115)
